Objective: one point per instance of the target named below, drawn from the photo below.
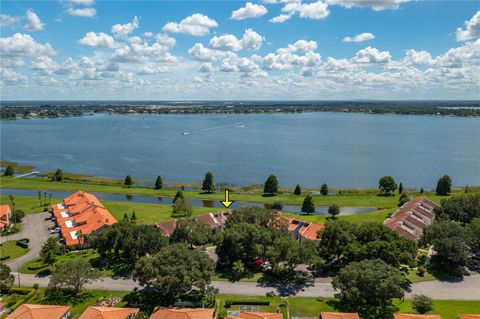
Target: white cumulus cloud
(82, 2)
(376, 5)
(366, 36)
(313, 10)
(197, 25)
(123, 30)
(472, 29)
(23, 44)
(280, 18)
(250, 10)
(372, 55)
(8, 21)
(82, 12)
(98, 40)
(34, 22)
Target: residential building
(167, 227)
(182, 313)
(216, 222)
(414, 316)
(469, 316)
(299, 229)
(257, 315)
(412, 218)
(5, 215)
(339, 315)
(80, 214)
(27, 311)
(108, 313)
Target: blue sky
(327, 49)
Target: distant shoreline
(26, 110)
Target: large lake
(343, 150)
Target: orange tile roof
(4, 210)
(27, 311)
(311, 231)
(182, 313)
(81, 213)
(108, 313)
(339, 315)
(259, 315)
(415, 316)
(167, 227)
(469, 316)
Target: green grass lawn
(147, 213)
(378, 216)
(36, 266)
(414, 277)
(12, 250)
(274, 304)
(225, 276)
(358, 198)
(447, 309)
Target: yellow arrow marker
(226, 202)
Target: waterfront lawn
(28, 204)
(378, 216)
(447, 309)
(21, 169)
(12, 250)
(367, 197)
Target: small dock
(27, 174)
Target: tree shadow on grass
(287, 284)
(440, 274)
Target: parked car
(271, 294)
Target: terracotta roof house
(80, 214)
(412, 218)
(167, 227)
(216, 221)
(257, 315)
(469, 316)
(27, 311)
(5, 215)
(108, 313)
(299, 229)
(339, 315)
(182, 313)
(414, 316)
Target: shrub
(422, 304)
(421, 271)
(277, 205)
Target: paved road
(35, 228)
(468, 289)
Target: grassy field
(12, 250)
(378, 216)
(352, 198)
(447, 309)
(146, 213)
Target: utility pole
(18, 274)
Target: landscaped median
(12, 249)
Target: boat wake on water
(236, 125)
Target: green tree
(422, 190)
(175, 269)
(158, 183)
(208, 185)
(308, 205)
(403, 199)
(243, 241)
(238, 269)
(460, 208)
(271, 186)
(290, 252)
(73, 274)
(192, 232)
(50, 249)
(444, 185)
(324, 189)
(335, 238)
(473, 235)
(6, 278)
(298, 190)
(125, 216)
(178, 195)
(333, 211)
(9, 171)
(182, 208)
(57, 176)
(128, 181)
(250, 215)
(422, 304)
(382, 282)
(134, 217)
(400, 188)
(277, 206)
(126, 242)
(387, 185)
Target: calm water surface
(343, 150)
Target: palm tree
(12, 200)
